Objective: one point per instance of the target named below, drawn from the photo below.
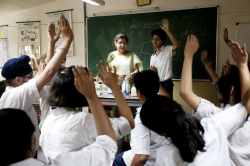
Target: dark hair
(63, 92)
(120, 36)
(162, 114)
(2, 87)
(234, 72)
(147, 82)
(225, 85)
(16, 131)
(161, 33)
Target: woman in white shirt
(67, 129)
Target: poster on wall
(29, 37)
(4, 45)
(54, 17)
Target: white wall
(39, 14)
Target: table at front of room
(110, 100)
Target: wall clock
(143, 2)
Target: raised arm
(33, 58)
(85, 85)
(109, 78)
(186, 90)
(56, 61)
(53, 38)
(225, 37)
(209, 68)
(165, 27)
(241, 58)
(42, 57)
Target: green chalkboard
(202, 22)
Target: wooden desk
(110, 100)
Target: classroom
(105, 115)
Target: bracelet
(63, 49)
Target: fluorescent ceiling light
(95, 2)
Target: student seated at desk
(18, 142)
(194, 142)
(144, 142)
(22, 91)
(67, 129)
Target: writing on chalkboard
(196, 31)
(145, 25)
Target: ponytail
(188, 138)
(162, 114)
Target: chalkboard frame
(141, 12)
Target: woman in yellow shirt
(127, 63)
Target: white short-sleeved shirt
(239, 145)
(206, 109)
(67, 129)
(22, 98)
(100, 153)
(217, 129)
(163, 62)
(143, 141)
(45, 108)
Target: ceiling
(10, 6)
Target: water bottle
(133, 91)
(97, 89)
(123, 87)
(104, 90)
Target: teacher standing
(127, 63)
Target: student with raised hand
(67, 129)
(194, 142)
(20, 152)
(228, 89)
(162, 56)
(34, 62)
(228, 69)
(144, 142)
(239, 143)
(22, 91)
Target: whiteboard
(243, 34)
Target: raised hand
(154, 69)
(42, 66)
(107, 76)
(52, 36)
(192, 46)
(83, 83)
(225, 35)
(211, 62)
(29, 54)
(204, 57)
(228, 66)
(239, 54)
(165, 25)
(65, 29)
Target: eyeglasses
(120, 43)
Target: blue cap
(17, 67)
